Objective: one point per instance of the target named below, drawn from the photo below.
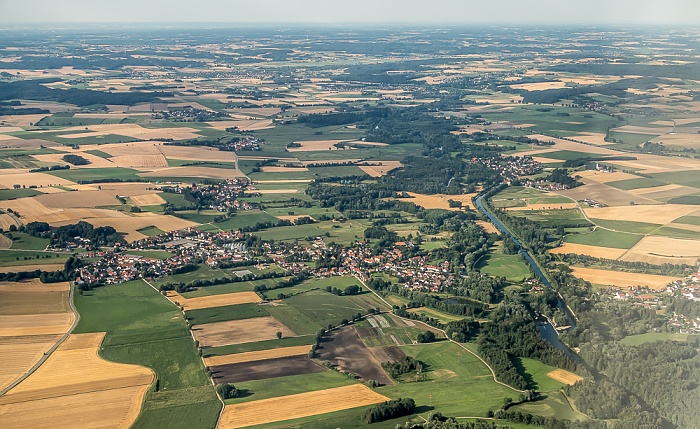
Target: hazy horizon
(319, 12)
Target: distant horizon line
(390, 24)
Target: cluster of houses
(688, 288)
(512, 167)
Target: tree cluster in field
(390, 410)
(348, 291)
(52, 168)
(75, 159)
(426, 337)
(561, 176)
(405, 365)
(227, 391)
(62, 235)
(463, 330)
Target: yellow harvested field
(488, 226)
(210, 301)
(77, 199)
(95, 161)
(296, 406)
(33, 316)
(565, 377)
(5, 243)
(18, 354)
(592, 138)
(5, 222)
(121, 149)
(31, 210)
(35, 324)
(133, 131)
(80, 387)
(622, 279)
(584, 249)
(129, 225)
(380, 170)
(317, 145)
(256, 356)
(659, 214)
(548, 206)
(660, 250)
(139, 161)
(634, 129)
(30, 267)
(439, 201)
(240, 331)
(148, 200)
(561, 144)
(679, 140)
(243, 124)
(539, 86)
(199, 172)
(196, 153)
(11, 177)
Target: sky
(489, 12)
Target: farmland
(260, 181)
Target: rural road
(52, 349)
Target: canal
(546, 329)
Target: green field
(535, 372)
(22, 241)
(224, 288)
(626, 226)
(296, 320)
(511, 267)
(451, 372)
(222, 314)
(635, 340)
(642, 182)
(688, 220)
(341, 233)
(323, 308)
(21, 258)
(603, 238)
(144, 328)
(150, 231)
(687, 178)
(289, 385)
(668, 231)
(303, 340)
(240, 220)
(554, 404)
(86, 174)
(11, 194)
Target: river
(546, 329)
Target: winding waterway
(546, 329)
